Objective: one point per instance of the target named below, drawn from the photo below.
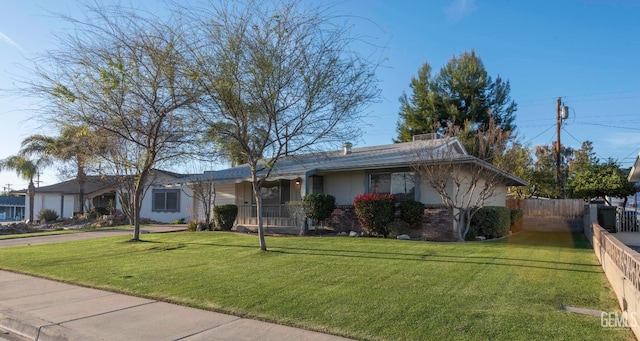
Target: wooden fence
(558, 208)
(550, 215)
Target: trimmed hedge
(411, 212)
(375, 211)
(491, 222)
(319, 206)
(225, 216)
(516, 220)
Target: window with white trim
(166, 200)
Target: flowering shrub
(375, 211)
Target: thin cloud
(459, 9)
(5, 38)
(623, 140)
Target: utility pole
(562, 113)
(558, 146)
(38, 179)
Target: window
(274, 195)
(400, 184)
(166, 200)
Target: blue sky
(585, 51)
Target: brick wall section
(344, 219)
(437, 222)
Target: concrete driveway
(59, 238)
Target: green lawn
(363, 288)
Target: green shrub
(96, 212)
(192, 225)
(375, 211)
(397, 227)
(491, 222)
(516, 220)
(179, 221)
(471, 234)
(225, 216)
(319, 206)
(411, 212)
(202, 226)
(48, 215)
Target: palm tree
(26, 169)
(75, 143)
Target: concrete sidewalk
(42, 310)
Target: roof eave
(634, 174)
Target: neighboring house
(12, 207)
(159, 203)
(634, 174)
(343, 174)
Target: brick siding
(437, 222)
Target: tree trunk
(256, 194)
(137, 203)
(81, 182)
(464, 223)
(31, 192)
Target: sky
(583, 51)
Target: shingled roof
(94, 184)
(12, 201)
(395, 155)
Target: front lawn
(364, 288)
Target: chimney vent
(425, 137)
(346, 148)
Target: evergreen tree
(462, 91)
(583, 158)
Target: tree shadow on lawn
(438, 258)
(421, 257)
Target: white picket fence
(627, 220)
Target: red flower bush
(375, 211)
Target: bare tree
(204, 192)
(465, 183)
(278, 79)
(122, 73)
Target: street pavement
(33, 308)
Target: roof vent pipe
(346, 148)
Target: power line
(633, 152)
(593, 97)
(606, 125)
(546, 130)
(580, 142)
